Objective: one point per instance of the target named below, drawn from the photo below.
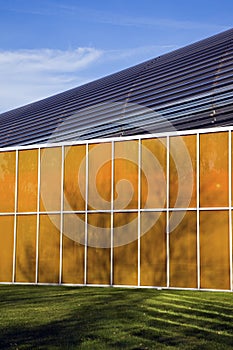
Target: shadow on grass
(98, 318)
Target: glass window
(183, 251)
(73, 248)
(214, 170)
(27, 181)
(214, 250)
(49, 248)
(50, 183)
(126, 175)
(99, 170)
(153, 249)
(74, 178)
(153, 173)
(26, 249)
(7, 181)
(6, 244)
(182, 172)
(125, 249)
(98, 251)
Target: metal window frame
(167, 209)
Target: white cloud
(46, 59)
(29, 75)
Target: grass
(39, 317)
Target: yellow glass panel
(214, 251)
(182, 173)
(26, 249)
(99, 182)
(6, 244)
(153, 249)
(73, 249)
(125, 256)
(98, 251)
(27, 181)
(183, 251)
(49, 248)
(126, 175)
(214, 170)
(50, 186)
(153, 174)
(7, 182)
(74, 178)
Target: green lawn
(38, 317)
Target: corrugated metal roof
(188, 88)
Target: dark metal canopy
(185, 89)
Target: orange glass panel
(74, 178)
(98, 251)
(182, 173)
(125, 258)
(153, 174)
(49, 248)
(183, 251)
(153, 249)
(214, 170)
(73, 249)
(7, 182)
(27, 181)
(6, 244)
(214, 250)
(26, 249)
(50, 188)
(126, 175)
(99, 169)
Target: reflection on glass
(26, 249)
(98, 251)
(126, 175)
(183, 251)
(214, 169)
(6, 244)
(73, 249)
(50, 183)
(49, 248)
(125, 249)
(153, 249)
(182, 173)
(153, 174)
(27, 181)
(74, 178)
(214, 251)
(99, 179)
(7, 182)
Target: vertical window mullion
(198, 212)
(139, 213)
(167, 213)
(38, 218)
(15, 213)
(86, 208)
(61, 215)
(112, 208)
(230, 212)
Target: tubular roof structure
(189, 88)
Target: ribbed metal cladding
(188, 88)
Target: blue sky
(49, 46)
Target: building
(125, 180)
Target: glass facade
(150, 211)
